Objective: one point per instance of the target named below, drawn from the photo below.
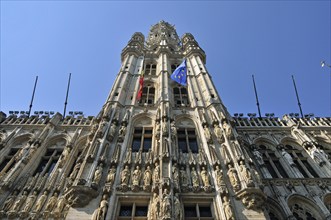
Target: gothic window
(133, 211)
(187, 140)
(301, 162)
(150, 69)
(148, 95)
(180, 96)
(272, 163)
(48, 161)
(302, 213)
(198, 211)
(142, 139)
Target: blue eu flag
(180, 74)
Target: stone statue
(40, 202)
(227, 208)
(97, 174)
(175, 175)
(207, 133)
(122, 133)
(165, 127)
(219, 133)
(173, 130)
(61, 202)
(165, 149)
(245, 173)
(112, 131)
(18, 203)
(219, 176)
(136, 174)
(128, 156)
(183, 177)
(233, 176)
(316, 155)
(166, 205)
(74, 173)
(125, 175)
(100, 213)
(228, 130)
(51, 203)
(158, 130)
(204, 177)
(29, 201)
(147, 176)
(64, 156)
(195, 178)
(156, 173)
(178, 209)
(154, 211)
(9, 202)
(287, 157)
(258, 157)
(111, 175)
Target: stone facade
(176, 153)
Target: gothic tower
(160, 150)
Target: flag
(180, 74)
(141, 85)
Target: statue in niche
(227, 208)
(51, 203)
(29, 202)
(245, 173)
(64, 156)
(175, 175)
(166, 205)
(207, 133)
(156, 173)
(74, 173)
(287, 157)
(165, 149)
(228, 130)
(237, 150)
(61, 202)
(173, 130)
(257, 176)
(183, 177)
(178, 209)
(122, 132)
(195, 178)
(158, 130)
(165, 127)
(224, 153)
(97, 174)
(136, 174)
(9, 202)
(233, 176)
(258, 156)
(100, 213)
(111, 175)
(316, 155)
(147, 176)
(125, 175)
(219, 133)
(204, 177)
(155, 208)
(18, 203)
(103, 128)
(40, 203)
(116, 154)
(219, 176)
(112, 131)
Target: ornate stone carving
(207, 134)
(233, 177)
(228, 130)
(128, 156)
(156, 174)
(147, 179)
(166, 205)
(205, 177)
(122, 133)
(258, 157)
(97, 174)
(51, 203)
(111, 176)
(316, 155)
(101, 212)
(227, 208)
(183, 177)
(178, 211)
(219, 133)
(165, 148)
(112, 131)
(175, 175)
(125, 175)
(154, 211)
(252, 198)
(287, 157)
(136, 175)
(18, 203)
(9, 202)
(75, 171)
(157, 130)
(246, 174)
(201, 157)
(40, 202)
(195, 179)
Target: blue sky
(270, 39)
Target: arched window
(272, 163)
(148, 95)
(304, 209)
(142, 139)
(180, 96)
(187, 140)
(150, 69)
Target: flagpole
(256, 97)
(66, 101)
(296, 92)
(34, 90)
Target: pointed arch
(275, 210)
(303, 207)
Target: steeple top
(163, 33)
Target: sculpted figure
(232, 173)
(165, 127)
(74, 173)
(128, 156)
(219, 176)
(111, 175)
(64, 156)
(166, 205)
(61, 202)
(287, 157)
(9, 202)
(227, 208)
(136, 176)
(158, 130)
(219, 133)
(175, 174)
(97, 174)
(204, 177)
(125, 175)
(245, 172)
(156, 173)
(29, 202)
(207, 133)
(194, 176)
(100, 213)
(183, 176)
(316, 155)
(178, 208)
(112, 130)
(51, 203)
(258, 156)
(155, 208)
(228, 130)
(19, 202)
(40, 203)
(173, 130)
(165, 149)
(147, 176)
